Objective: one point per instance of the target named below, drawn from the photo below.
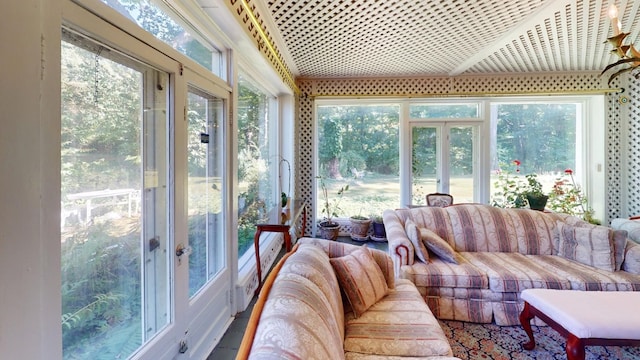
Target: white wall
(29, 180)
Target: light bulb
(615, 23)
(613, 11)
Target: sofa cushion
(589, 245)
(631, 226)
(414, 235)
(438, 246)
(585, 277)
(360, 278)
(304, 300)
(400, 324)
(477, 227)
(632, 258)
(514, 272)
(439, 273)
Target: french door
(205, 292)
(443, 159)
(145, 268)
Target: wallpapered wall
(622, 123)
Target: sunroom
(162, 131)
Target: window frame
(590, 160)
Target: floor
(230, 342)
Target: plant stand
(283, 225)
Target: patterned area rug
(488, 341)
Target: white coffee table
(584, 318)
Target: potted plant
(360, 227)
(533, 192)
(379, 233)
(329, 229)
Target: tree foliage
(253, 162)
(360, 137)
(541, 136)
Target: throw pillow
(619, 241)
(414, 235)
(631, 262)
(438, 246)
(360, 279)
(588, 245)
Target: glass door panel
(205, 149)
(425, 155)
(443, 159)
(461, 163)
(115, 253)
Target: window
(358, 145)
(455, 146)
(543, 136)
(164, 25)
(115, 253)
(444, 111)
(257, 159)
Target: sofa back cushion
(338, 249)
(477, 227)
(304, 300)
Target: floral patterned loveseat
(471, 261)
(300, 313)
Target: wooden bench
(584, 318)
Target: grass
(375, 192)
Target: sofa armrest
(631, 226)
(400, 247)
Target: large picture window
(358, 145)
(257, 160)
(456, 146)
(541, 138)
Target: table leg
(575, 348)
(287, 241)
(256, 247)
(525, 320)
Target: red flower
(568, 172)
(517, 162)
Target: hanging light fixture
(628, 55)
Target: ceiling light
(628, 54)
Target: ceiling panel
(426, 38)
(384, 38)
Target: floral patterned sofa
(301, 313)
(471, 261)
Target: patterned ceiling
(409, 38)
